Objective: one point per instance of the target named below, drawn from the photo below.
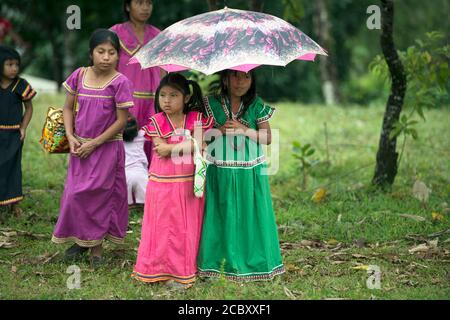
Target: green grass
(369, 231)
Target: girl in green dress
(239, 237)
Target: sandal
(74, 252)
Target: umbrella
(227, 39)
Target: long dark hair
(100, 36)
(180, 83)
(7, 53)
(248, 98)
(131, 129)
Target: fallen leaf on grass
(420, 248)
(13, 269)
(306, 243)
(7, 245)
(292, 267)
(433, 243)
(319, 195)
(7, 242)
(9, 234)
(436, 216)
(363, 267)
(125, 263)
(289, 293)
(412, 216)
(338, 262)
(332, 242)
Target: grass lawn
(326, 246)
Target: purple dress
(145, 81)
(94, 203)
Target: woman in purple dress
(94, 203)
(133, 35)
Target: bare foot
(97, 251)
(16, 210)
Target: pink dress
(173, 216)
(145, 81)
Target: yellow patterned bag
(53, 137)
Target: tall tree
(386, 164)
(328, 70)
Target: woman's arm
(26, 119)
(68, 123)
(88, 147)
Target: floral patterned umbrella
(227, 39)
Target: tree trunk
(58, 65)
(212, 5)
(257, 5)
(327, 65)
(69, 50)
(386, 166)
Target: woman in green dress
(239, 237)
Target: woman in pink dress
(173, 216)
(133, 35)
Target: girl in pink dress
(173, 216)
(133, 35)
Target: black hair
(126, 3)
(7, 53)
(125, 12)
(248, 98)
(131, 129)
(100, 36)
(179, 82)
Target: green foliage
(303, 154)
(293, 10)
(53, 48)
(427, 72)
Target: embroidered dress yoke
(94, 203)
(239, 232)
(11, 113)
(173, 216)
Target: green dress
(239, 237)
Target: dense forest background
(53, 51)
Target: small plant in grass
(303, 154)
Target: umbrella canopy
(227, 39)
